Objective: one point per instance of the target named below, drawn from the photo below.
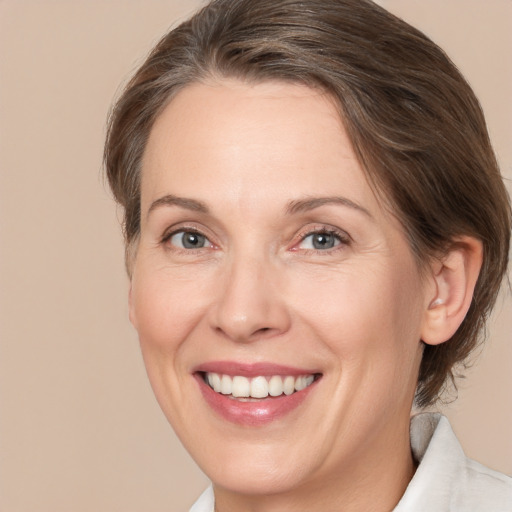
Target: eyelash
(342, 237)
(183, 229)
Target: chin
(264, 477)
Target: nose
(250, 302)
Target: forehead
(269, 138)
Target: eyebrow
(310, 203)
(296, 206)
(182, 202)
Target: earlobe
(454, 278)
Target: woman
(316, 230)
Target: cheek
(368, 317)
(165, 308)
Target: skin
(258, 291)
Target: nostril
(263, 333)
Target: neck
(373, 480)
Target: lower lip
(257, 413)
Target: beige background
(79, 428)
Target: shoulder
(489, 488)
(447, 480)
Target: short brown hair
(415, 124)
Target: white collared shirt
(445, 480)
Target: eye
(189, 240)
(320, 241)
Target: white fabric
(445, 480)
(205, 503)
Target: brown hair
(413, 120)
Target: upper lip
(251, 369)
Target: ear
(454, 277)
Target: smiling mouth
(254, 395)
(242, 388)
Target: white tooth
(299, 383)
(309, 380)
(226, 385)
(215, 381)
(289, 385)
(241, 386)
(259, 387)
(275, 386)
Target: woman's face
(266, 263)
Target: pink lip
(257, 413)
